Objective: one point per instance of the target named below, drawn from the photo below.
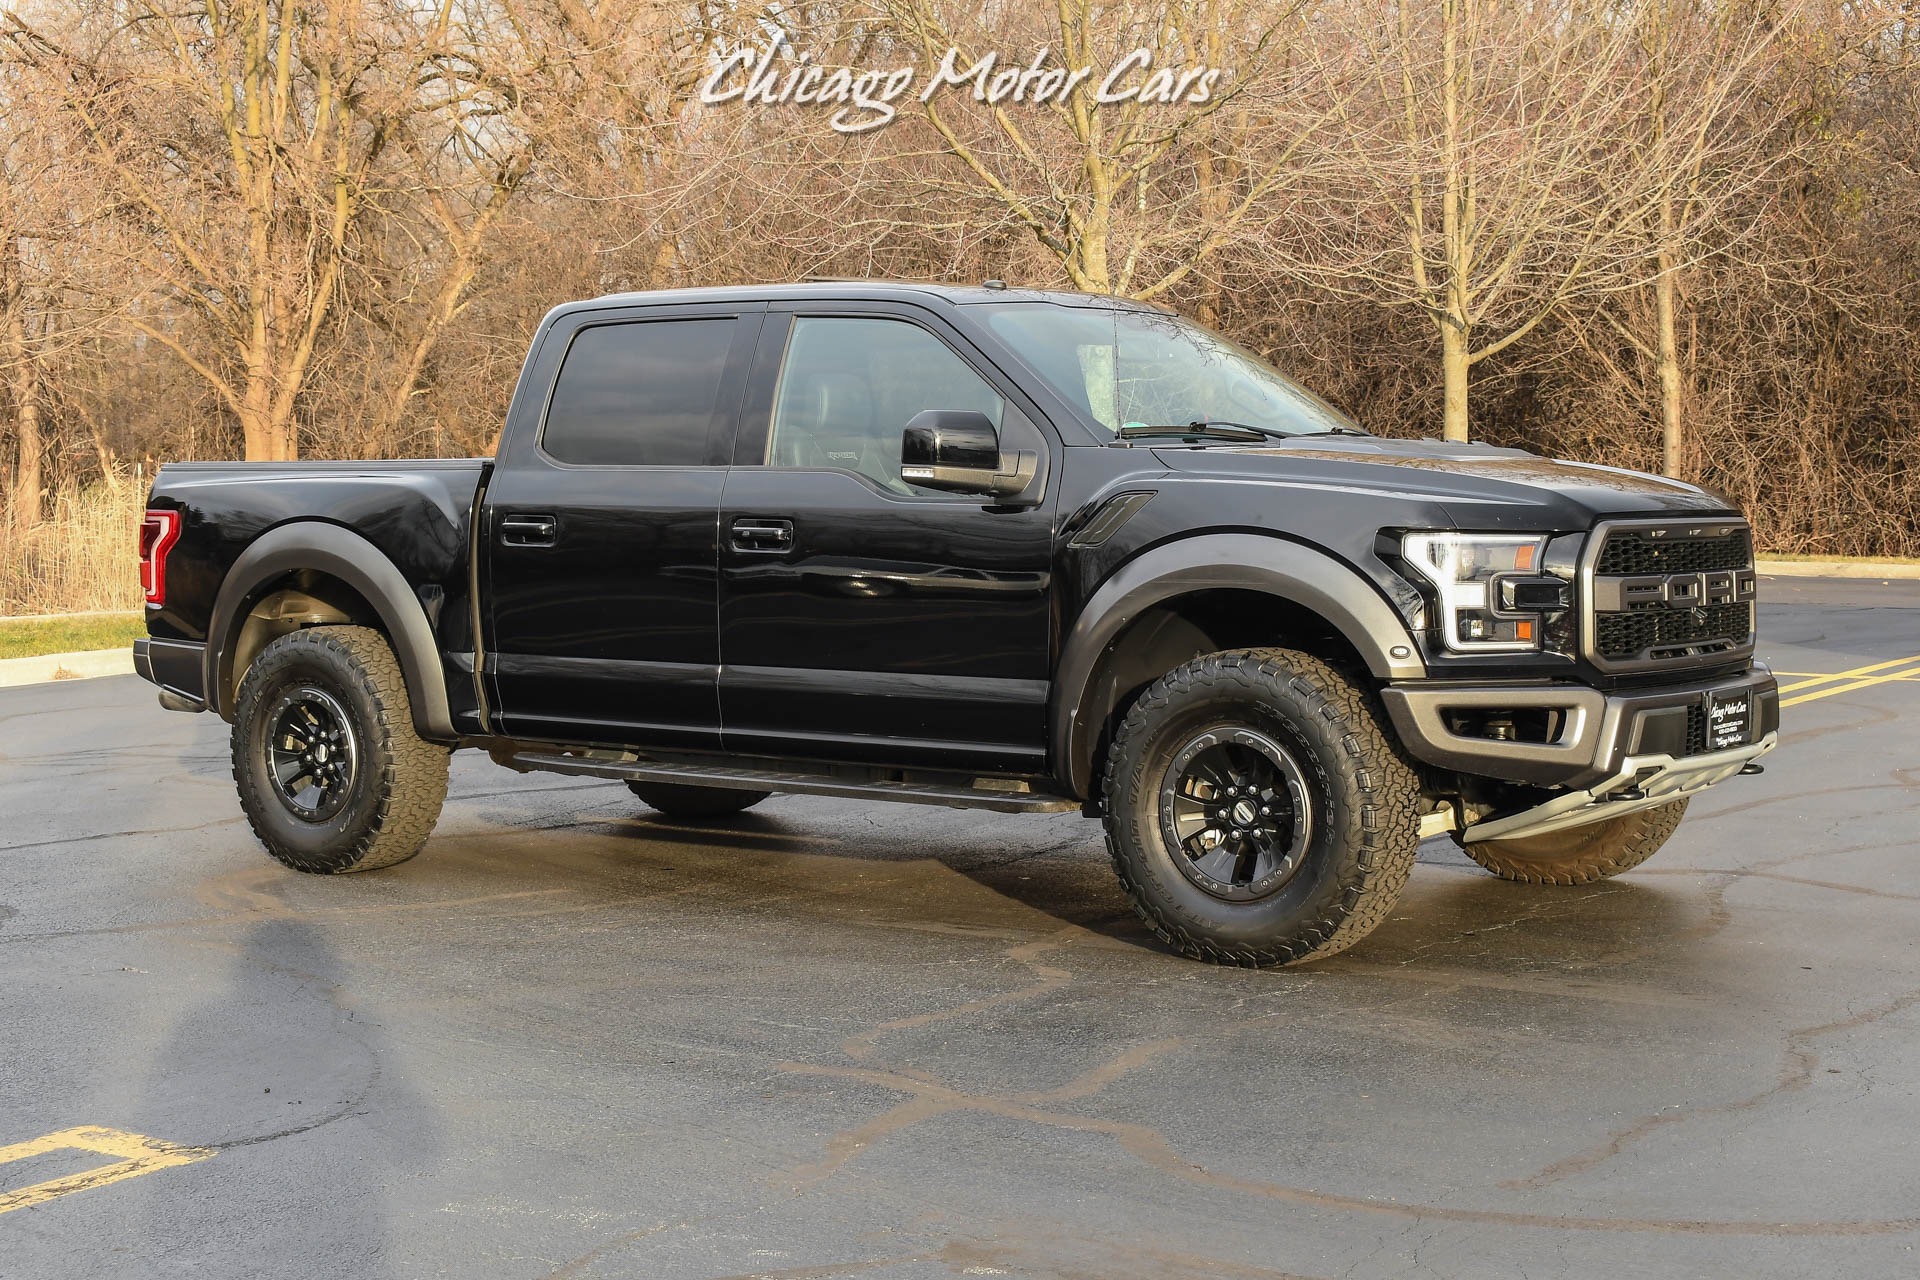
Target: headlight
(1491, 592)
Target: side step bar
(952, 794)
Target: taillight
(158, 532)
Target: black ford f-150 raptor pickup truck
(1018, 550)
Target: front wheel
(1580, 855)
(1256, 810)
(332, 776)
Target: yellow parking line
(137, 1154)
(1848, 675)
(1849, 686)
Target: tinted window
(850, 386)
(638, 394)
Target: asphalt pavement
(830, 1038)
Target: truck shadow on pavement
(274, 1056)
(1452, 913)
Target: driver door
(862, 618)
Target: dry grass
(84, 557)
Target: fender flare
(343, 554)
(1274, 566)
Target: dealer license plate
(1729, 720)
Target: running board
(953, 795)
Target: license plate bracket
(1729, 719)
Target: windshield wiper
(1203, 428)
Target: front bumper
(1591, 735)
(1610, 754)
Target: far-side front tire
(332, 776)
(679, 800)
(1579, 855)
(1257, 812)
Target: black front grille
(1672, 633)
(1670, 596)
(1636, 551)
(1696, 730)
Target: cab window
(849, 386)
(638, 394)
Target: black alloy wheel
(311, 753)
(1236, 805)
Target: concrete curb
(65, 666)
(1882, 569)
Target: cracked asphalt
(833, 1039)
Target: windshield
(1128, 368)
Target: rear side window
(638, 394)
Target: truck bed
(418, 513)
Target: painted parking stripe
(1850, 686)
(1848, 675)
(134, 1154)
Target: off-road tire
(1363, 792)
(1579, 855)
(399, 781)
(679, 800)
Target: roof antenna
(993, 284)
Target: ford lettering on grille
(1663, 596)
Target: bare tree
(1119, 177)
(29, 178)
(610, 97)
(23, 376)
(244, 141)
(1711, 135)
(1486, 187)
(465, 152)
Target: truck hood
(1479, 486)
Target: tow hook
(1633, 791)
(1752, 766)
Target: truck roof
(877, 290)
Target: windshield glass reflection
(1147, 369)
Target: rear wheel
(1256, 811)
(679, 800)
(1579, 855)
(332, 776)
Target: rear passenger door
(862, 617)
(601, 550)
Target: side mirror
(958, 451)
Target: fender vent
(1108, 518)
